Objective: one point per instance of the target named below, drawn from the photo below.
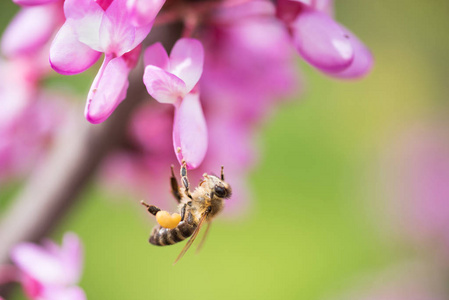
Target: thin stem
(190, 23)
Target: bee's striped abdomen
(163, 236)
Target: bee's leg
(222, 174)
(183, 212)
(151, 208)
(185, 180)
(174, 186)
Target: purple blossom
(25, 140)
(29, 117)
(243, 67)
(143, 12)
(31, 29)
(416, 173)
(244, 77)
(50, 272)
(34, 2)
(321, 41)
(248, 54)
(172, 80)
(92, 28)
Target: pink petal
(30, 29)
(116, 33)
(163, 86)
(85, 17)
(51, 247)
(326, 6)
(156, 55)
(108, 90)
(143, 12)
(190, 131)
(186, 61)
(141, 33)
(288, 10)
(68, 55)
(38, 263)
(63, 293)
(132, 57)
(15, 93)
(322, 42)
(104, 3)
(32, 287)
(363, 61)
(72, 257)
(78, 9)
(33, 2)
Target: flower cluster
(30, 114)
(48, 272)
(232, 64)
(228, 30)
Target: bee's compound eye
(220, 191)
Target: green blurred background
(309, 233)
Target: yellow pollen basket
(165, 220)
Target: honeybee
(196, 208)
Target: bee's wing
(192, 238)
(200, 245)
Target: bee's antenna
(151, 208)
(144, 204)
(222, 174)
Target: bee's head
(217, 186)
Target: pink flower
(249, 64)
(416, 176)
(50, 272)
(321, 41)
(15, 91)
(32, 28)
(143, 12)
(26, 139)
(109, 86)
(90, 29)
(248, 67)
(29, 117)
(172, 80)
(34, 2)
